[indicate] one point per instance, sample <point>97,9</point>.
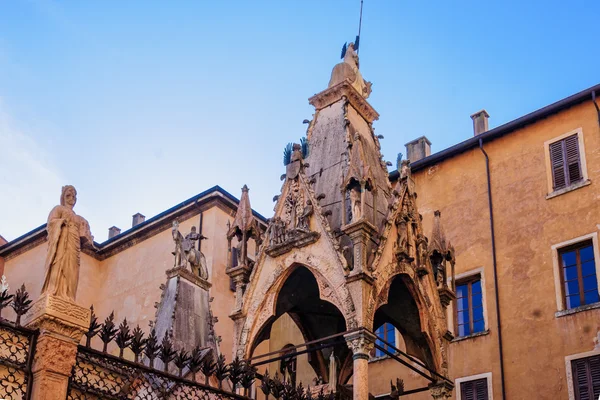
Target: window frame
<point>582,164</point>
<point>569,369</point>
<point>391,327</point>
<point>459,279</point>
<point>558,272</point>
<point>486,375</point>
<point>576,247</point>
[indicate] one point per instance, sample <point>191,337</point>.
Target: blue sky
<point>143,104</point>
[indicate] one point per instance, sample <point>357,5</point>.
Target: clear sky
<point>143,104</point>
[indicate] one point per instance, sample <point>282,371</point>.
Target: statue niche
<point>67,233</point>
<point>186,254</point>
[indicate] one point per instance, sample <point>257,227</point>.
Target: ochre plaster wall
<point>526,226</point>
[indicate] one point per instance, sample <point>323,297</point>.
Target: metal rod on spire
<point>357,44</point>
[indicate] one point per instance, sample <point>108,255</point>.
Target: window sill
<point>576,310</point>
<point>474,335</point>
<point>567,189</point>
<point>380,358</point>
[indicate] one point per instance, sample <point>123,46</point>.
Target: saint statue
<point>355,205</point>
<point>67,233</point>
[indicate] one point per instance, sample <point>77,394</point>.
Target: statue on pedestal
<point>67,233</point>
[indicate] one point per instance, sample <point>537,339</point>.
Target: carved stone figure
<point>355,204</point>
<point>404,169</point>
<point>67,232</point>
<point>193,256</point>
<point>349,70</point>
<point>178,239</point>
<point>303,221</point>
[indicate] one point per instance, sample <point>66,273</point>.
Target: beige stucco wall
<point>28,268</point>
<point>526,226</point>
<point>128,282</point>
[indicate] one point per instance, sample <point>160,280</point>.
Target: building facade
<point>353,283</point>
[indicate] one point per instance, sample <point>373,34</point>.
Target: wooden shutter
<point>557,161</point>
<point>573,160</point>
<point>474,390</point>
<point>586,378</point>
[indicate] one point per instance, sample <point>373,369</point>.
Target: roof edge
<point>502,130</point>
<point>215,191</point>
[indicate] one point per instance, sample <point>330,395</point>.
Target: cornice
<point>213,197</point>
<point>330,95</point>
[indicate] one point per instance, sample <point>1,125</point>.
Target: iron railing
<point>17,346</point>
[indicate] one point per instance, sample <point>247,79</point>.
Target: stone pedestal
<point>361,343</point>
<point>360,233</point>
<point>240,276</point>
<point>62,324</point>
<point>184,312</point>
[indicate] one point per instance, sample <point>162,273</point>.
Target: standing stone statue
<point>355,205</point>
<point>178,239</point>
<point>67,233</point>
<point>304,219</point>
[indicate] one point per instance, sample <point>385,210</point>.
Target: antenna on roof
<point>357,41</point>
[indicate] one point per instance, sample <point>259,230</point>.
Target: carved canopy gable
<point>298,234</point>
<point>403,252</point>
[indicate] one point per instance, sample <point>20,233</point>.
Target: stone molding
<point>189,276</point>
<point>298,240</point>
<point>55,315</point>
<point>344,89</point>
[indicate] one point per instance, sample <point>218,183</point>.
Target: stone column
<point>361,343</point>
<point>62,324</point>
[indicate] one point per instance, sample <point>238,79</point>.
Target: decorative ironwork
<point>17,346</point>
<point>97,375</point>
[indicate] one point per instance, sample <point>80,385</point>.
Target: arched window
<point>386,332</point>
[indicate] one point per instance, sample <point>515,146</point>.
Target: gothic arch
<point>261,313</point>
<point>401,301</point>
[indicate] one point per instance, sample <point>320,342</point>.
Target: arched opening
<point>301,316</point>
<point>401,312</point>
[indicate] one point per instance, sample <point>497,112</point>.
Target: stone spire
<point>441,252</point>
<point>344,160</point>
<point>243,228</point>
<point>244,221</point>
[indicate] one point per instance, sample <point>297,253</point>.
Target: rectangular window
<point>386,332</point>
<point>565,162</point>
<point>586,377</point>
<point>469,306</point>
<point>474,390</point>
<point>578,272</point>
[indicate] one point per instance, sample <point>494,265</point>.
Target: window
<point>565,162</point>
<point>586,377</point>
<point>476,389</point>
<point>386,332</point>
<point>469,306</point>
<point>578,272</point>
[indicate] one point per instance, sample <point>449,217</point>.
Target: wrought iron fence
<point>99,375</point>
<point>17,346</point>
